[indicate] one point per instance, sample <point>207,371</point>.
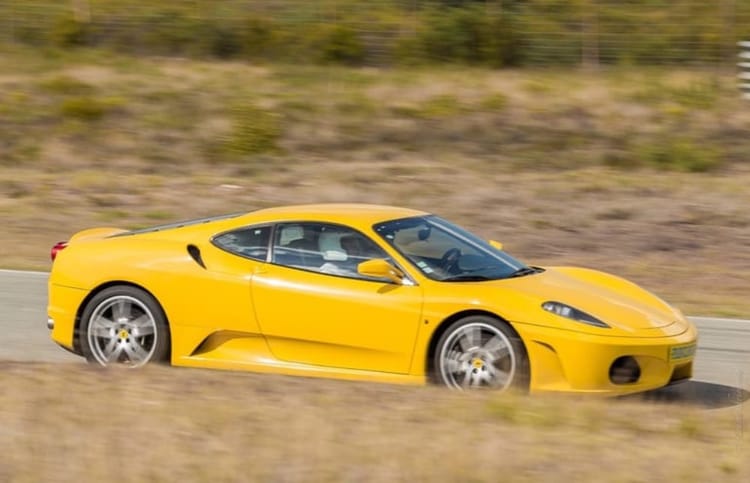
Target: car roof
<point>355,214</point>
<point>360,216</point>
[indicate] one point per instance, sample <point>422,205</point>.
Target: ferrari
<point>360,292</point>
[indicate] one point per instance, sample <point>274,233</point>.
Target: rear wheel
<point>124,326</point>
<point>480,352</point>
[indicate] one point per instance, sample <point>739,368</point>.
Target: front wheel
<point>125,326</point>
<point>481,352</point>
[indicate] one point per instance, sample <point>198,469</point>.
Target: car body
<point>360,292</point>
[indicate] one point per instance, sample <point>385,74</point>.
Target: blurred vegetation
<point>179,109</point>
<point>495,33</point>
<point>254,131</point>
<point>681,154</point>
<point>94,105</point>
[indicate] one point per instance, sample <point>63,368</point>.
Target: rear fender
<point>91,233</point>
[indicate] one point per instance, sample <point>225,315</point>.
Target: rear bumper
<point>62,309</point>
<point>566,361</point>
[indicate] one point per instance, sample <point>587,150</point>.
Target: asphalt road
<point>722,365</point>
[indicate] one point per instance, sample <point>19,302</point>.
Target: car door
<point>314,308</point>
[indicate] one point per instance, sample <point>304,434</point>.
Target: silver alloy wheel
<point>122,330</point>
<point>477,355</point>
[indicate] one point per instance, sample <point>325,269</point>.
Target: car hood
<point>615,301</point>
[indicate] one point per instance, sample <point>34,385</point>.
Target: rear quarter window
<point>250,242</point>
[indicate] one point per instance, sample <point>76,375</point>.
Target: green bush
<point>339,44</point>
<point>494,102</point>
<point>472,35</point>
<point>454,35</point>
<point>64,84</point>
<point>172,32</point>
<point>69,32</point>
<point>83,108</point>
<point>408,51</point>
<point>254,131</point>
<point>220,41</point>
<point>258,37</point>
<point>681,155</point>
<point>441,107</point>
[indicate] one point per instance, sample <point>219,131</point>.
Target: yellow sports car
<point>358,292</point>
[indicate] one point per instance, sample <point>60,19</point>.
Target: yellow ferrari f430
<point>358,292</point>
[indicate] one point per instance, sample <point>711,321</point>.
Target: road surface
<point>722,361</point>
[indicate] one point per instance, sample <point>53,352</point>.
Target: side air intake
<point>195,253</point>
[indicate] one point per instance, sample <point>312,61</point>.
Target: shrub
<point>83,108</point>
<point>339,44</point>
<point>64,84</point>
<point>171,32</point>
<point>409,51</point>
<point>441,106</point>
<point>69,32</point>
<point>682,155</point>
<point>494,102</point>
<point>473,35</point>
<point>221,41</point>
<point>258,36</point>
<point>254,131</point>
<point>454,35</point>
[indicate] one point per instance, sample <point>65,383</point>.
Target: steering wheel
<point>449,260</point>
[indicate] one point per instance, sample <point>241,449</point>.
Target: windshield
<point>446,252</point>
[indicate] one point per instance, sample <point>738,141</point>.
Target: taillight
<point>57,249</point>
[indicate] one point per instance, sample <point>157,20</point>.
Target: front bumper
<point>567,361</point>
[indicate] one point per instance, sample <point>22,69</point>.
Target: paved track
<point>723,357</point>
<point>23,319</point>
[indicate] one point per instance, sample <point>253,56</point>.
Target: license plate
<point>682,352</point>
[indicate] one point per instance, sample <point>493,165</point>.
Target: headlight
<point>563,310</point>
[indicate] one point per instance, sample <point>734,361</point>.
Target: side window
<point>324,248</point>
<point>250,242</point>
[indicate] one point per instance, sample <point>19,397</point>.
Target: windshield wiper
<point>467,277</point>
<point>522,272</point>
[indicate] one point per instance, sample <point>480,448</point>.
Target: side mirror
<point>496,244</point>
<point>380,268</point>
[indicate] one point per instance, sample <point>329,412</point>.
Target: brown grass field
<point>643,173</point>
<point>70,423</point>
<point>640,172</point>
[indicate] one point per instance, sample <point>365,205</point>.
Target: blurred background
<point>606,134</point>
<point>609,134</point>
<point>494,33</point>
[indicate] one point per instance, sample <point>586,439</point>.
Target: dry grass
<point>563,167</point>
<point>74,423</point>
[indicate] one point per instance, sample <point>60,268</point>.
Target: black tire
<point>478,352</point>
<point>124,326</point>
